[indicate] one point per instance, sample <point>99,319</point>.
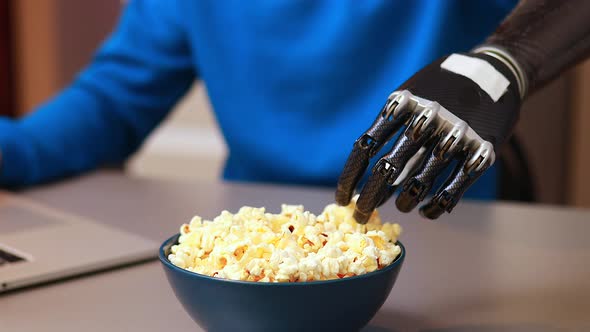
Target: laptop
<point>40,244</point>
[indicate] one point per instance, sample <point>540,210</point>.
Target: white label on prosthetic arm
<point>480,72</point>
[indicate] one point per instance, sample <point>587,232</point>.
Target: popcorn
<point>292,246</point>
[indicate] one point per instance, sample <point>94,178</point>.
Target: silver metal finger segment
<point>482,158</point>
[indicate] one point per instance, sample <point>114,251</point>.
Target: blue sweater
<point>292,83</point>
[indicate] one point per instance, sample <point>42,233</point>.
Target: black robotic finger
<point>355,166</point>
<point>465,174</point>
<point>389,167</point>
<point>415,189</point>
<point>410,169</point>
<point>373,191</point>
<point>387,194</point>
<point>394,114</point>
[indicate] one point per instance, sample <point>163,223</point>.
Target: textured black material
<point>366,146</point>
<point>376,189</point>
<point>493,121</point>
<point>452,190</point>
<point>355,166</point>
<point>371,194</point>
<point>546,37</point>
<point>417,187</point>
<point>387,195</point>
<point>385,125</point>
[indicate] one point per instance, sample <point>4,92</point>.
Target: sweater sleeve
<point>135,78</point>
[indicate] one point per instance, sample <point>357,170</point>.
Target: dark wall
<point>6,65</point>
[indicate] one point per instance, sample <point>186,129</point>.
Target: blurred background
<point>43,44</point>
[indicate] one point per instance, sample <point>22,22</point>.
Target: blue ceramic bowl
<point>216,304</point>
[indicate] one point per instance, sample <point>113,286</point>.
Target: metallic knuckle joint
<point>387,170</point>
<point>416,189</point>
<point>456,135</point>
<point>481,159</point>
<point>450,142</point>
<point>365,142</point>
<point>397,105</point>
<point>423,121</point>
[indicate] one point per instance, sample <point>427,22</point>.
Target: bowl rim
<point>398,260</point>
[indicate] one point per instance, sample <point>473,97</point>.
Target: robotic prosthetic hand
<point>461,107</point>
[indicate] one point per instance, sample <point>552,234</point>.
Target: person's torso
<point>295,83</point>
